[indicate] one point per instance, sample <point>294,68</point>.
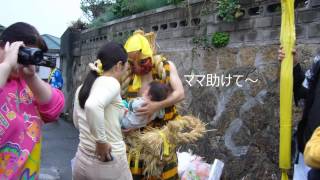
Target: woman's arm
<point>50,100</point>
<point>176,96</point>
<point>51,110</point>
<point>103,91</point>
<point>40,89</point>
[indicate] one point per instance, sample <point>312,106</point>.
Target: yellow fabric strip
<point>136,162</point>
<point>287,38</point>
<point>136,171</point>
<point>170,173</point>
<point>51,74</point>
<point>166,145</point>
<point>168,115</point>
<point>136,83</point>
<point>129,159</point>
<point>284,176</point>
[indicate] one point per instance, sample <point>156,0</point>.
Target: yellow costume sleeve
<point>287,38</point>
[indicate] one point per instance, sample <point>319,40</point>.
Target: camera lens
<point>29,56</point>
<point>37,57</point>
<point>23,56</point>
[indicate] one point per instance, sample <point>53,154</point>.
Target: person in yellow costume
<point>146,67</point>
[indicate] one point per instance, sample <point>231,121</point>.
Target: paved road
<point>59,144</point>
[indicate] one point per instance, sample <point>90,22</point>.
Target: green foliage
<point>78,24</point>
<point>201,41</point>
<point>220,39</point>
<point>105,17</point>
<point>175,2</point>
<point>101,11</point>
<point>122,8</point>
<point>227,9</point>
<point>94,8</point>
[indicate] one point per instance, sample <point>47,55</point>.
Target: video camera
<point>35,56</point>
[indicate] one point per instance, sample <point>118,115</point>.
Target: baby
<point>156,91</point>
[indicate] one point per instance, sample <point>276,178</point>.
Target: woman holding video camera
<point>26,102</point>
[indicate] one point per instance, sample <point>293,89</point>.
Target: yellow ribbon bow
<point>97,67</point>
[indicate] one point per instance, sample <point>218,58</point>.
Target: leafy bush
<point>175,2</point>
<point>220,39</point>
<point>227,9</point>
<point>101,11</point>
<point>105,17</point>
<point>94,8</point>
<point>122,8</point>
<point>78,24</point>
<point>201,41</point>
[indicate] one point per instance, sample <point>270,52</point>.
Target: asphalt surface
<point>59,144</point>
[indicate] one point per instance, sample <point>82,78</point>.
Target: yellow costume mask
<point>137,42</point>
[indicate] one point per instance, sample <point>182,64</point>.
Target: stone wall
<point>242,118</point>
